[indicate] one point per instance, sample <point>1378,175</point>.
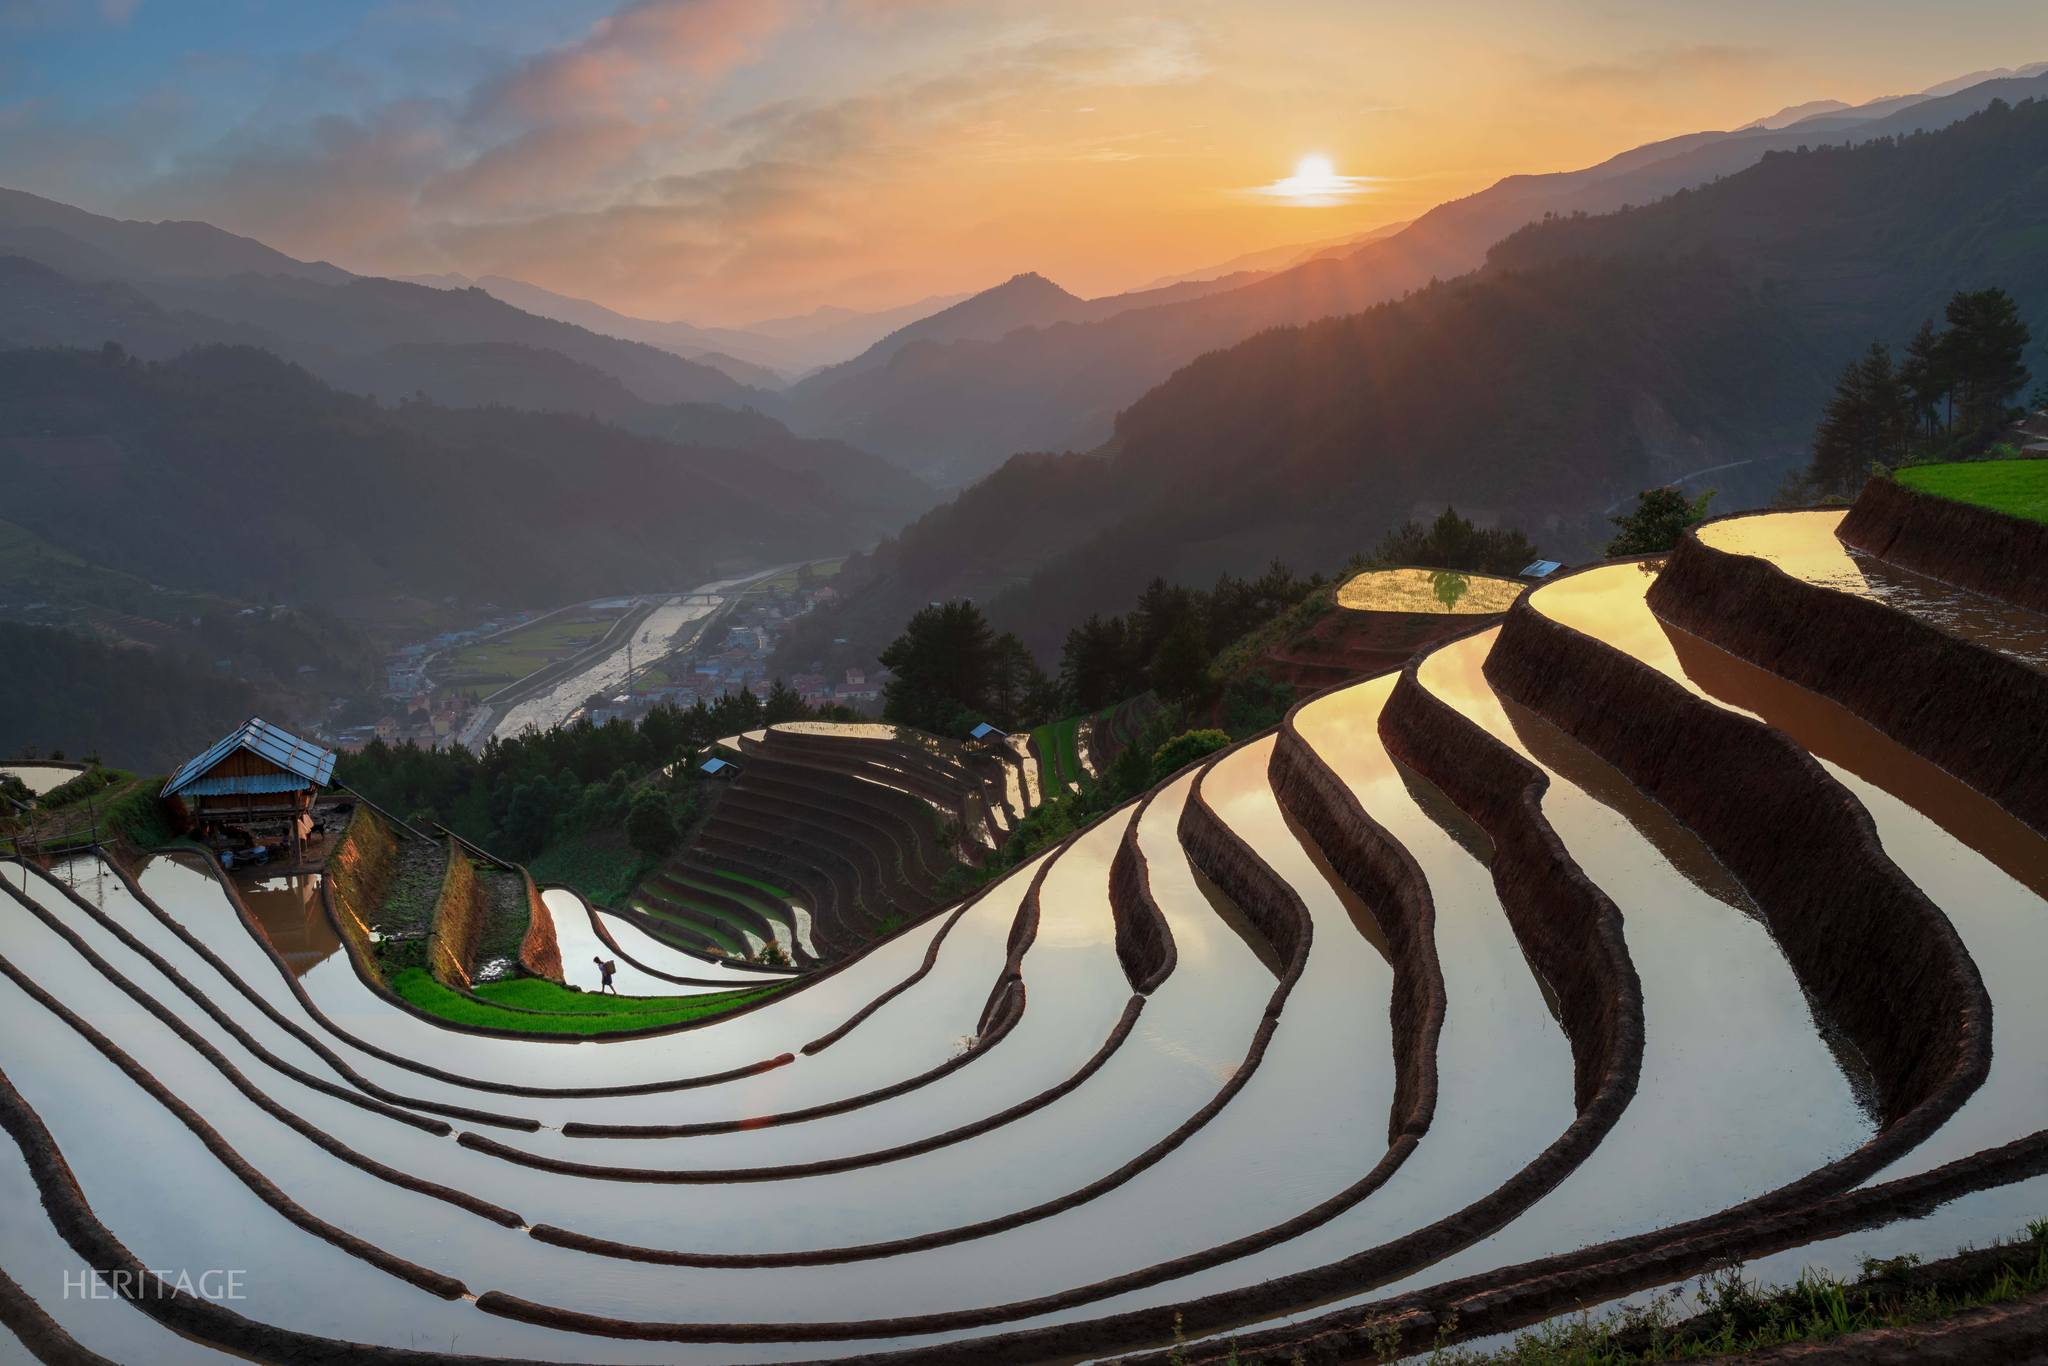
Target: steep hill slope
<point>229,469</point>
<point>228,288</point>
<point>1593,357</point>
<point>955,410</point>
<point>481,374</point>
<point>31,225</point>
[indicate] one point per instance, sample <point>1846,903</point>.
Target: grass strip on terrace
<point>784,897</point>
<point>1735,1315</point>
<point>1059,754</point>
<point>714,927</point>
<point>2018,488</point>
<point>562,1010</point>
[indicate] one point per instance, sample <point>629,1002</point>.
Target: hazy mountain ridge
<point>220,469</point>
<point>1594,356</point>
<point>234,288</point>
<point>955,410</point>
<point>167,248</point>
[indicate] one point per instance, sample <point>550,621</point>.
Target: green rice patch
<point>2018,488</point>
<point>564,1011</point>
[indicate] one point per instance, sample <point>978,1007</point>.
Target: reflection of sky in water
<point>1439,591</point>
<point>40,778</point>
<point>1803,544</point>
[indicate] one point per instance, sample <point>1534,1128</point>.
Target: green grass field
<point>1059,754</point>
<point>782,898</point>
<point>2018,488</point>
<point>513,656</point>
<point>564,1011</point>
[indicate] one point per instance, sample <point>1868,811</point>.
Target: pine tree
<point>942,667</point>
<point>1179,668</point>
<point>1095,664</point>
<point>1869,420</point>
<point>1018,688</point>
<point>1985,349</point>
<point>1924,373</point>
<point>1889,419</point>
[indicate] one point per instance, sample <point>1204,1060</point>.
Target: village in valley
<point>453,687</point>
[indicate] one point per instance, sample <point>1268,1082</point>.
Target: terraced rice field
<point>832,834</point>
<point>40,778</point>
<point>1433,591</point>
<point>1586,953</point>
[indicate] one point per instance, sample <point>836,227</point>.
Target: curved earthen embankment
<point>65,1205</point>
<point>456,932</point>
<point>1387,879</point>
<point>1951,701</point>
<point>1144,943</point>
<point>236,1078</point>
<point>540,954</point>
<point>2015,1332</point>
<point>1877,956</point>
<point>45,1338</point>
<point>605,937</point>
<point>1569,929</point>
<point>1973,547</point>
<point>366,1094</point>
<point>1514,1297</point>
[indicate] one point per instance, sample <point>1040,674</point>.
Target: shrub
<point>1184,749</point>
<point>651,824</point>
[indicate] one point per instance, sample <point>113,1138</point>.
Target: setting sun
<point>1315,182</point>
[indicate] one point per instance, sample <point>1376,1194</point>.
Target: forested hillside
<point>229,469</point>
<point>207,285</point>
<point>954,410</point>
<point>136,708</point>
<point>1593,356</point>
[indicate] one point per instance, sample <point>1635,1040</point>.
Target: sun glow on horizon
<point>1315,184</point>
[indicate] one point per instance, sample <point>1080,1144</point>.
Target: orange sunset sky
<point>730,160</point>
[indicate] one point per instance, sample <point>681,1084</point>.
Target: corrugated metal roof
<point>311,763</point>
<point>1540,569</point>
<point>715,766</point>
<point>247,785</point>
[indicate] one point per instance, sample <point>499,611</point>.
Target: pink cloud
<point>651,39</point>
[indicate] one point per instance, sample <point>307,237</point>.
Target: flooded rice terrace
<point>1433,591</point>
<point>1273,1043</point>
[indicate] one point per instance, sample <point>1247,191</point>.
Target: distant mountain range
<point>943,390</point>
<point>208,285</point>
<point>1592,356</point>
<point>954,407</point>
<point>227,469</point>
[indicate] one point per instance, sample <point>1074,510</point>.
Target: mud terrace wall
<point>1806,850</point>
<point>1568,928</point>
<point>1144,944</point>
<point>458,925</point>
<point>1386,877</point>
<point>358,874</point>
<point>1975,547</point>
<point>539,952</point>
<point>1951,701</point>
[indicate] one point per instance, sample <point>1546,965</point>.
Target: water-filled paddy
<point>1427,590</point>
<point>1228,1119</point>
<point>40,778</point>
<point>1803,544</point>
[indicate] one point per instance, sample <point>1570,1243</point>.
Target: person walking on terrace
<point>605,969</point>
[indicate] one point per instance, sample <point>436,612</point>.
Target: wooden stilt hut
<point>255,773</point>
